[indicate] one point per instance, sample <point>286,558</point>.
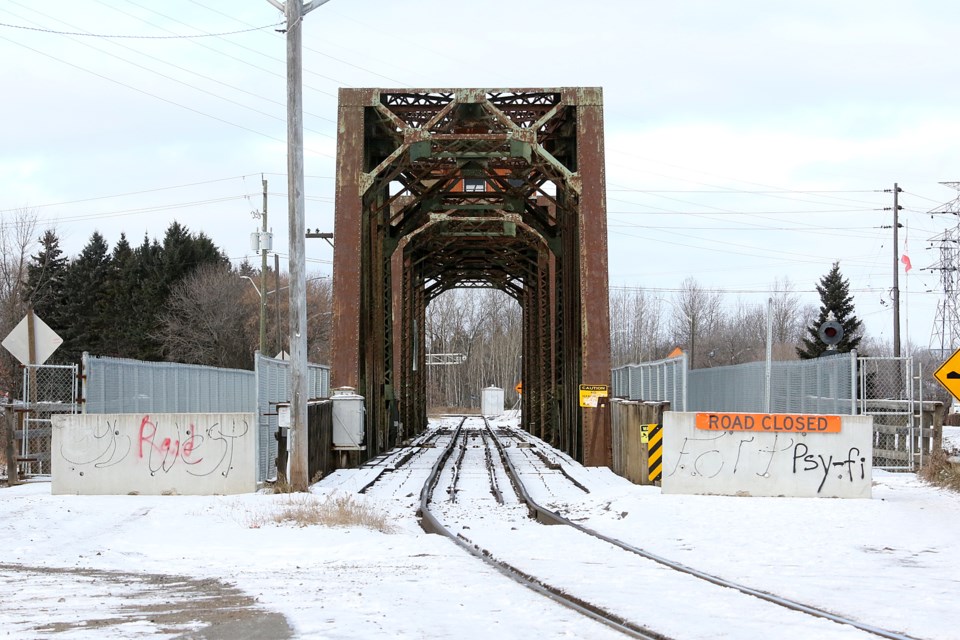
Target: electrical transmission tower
<point>945,336</point>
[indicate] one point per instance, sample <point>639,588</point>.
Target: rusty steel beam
<point>345,356</point>
<point>593,271</point>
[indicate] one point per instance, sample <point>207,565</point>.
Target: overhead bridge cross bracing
<point>448,188</point>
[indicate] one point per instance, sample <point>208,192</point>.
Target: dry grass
<point>939,471</point>
<point>335,510</point>
<point>282,486</point>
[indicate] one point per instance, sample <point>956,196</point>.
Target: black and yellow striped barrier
<point>652,435</point>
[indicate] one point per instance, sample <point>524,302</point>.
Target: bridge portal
<point>445,188</point>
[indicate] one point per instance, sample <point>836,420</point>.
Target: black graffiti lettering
<point>826,470</point>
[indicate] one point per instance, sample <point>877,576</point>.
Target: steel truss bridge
<point>445,188</point>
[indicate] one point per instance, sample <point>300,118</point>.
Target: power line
<point>259,53</point>
<point>742,192</point>
<point>729,290</point>
<point>130,193</point>
<point>741,213</point>
<point>138,37</point>
<point>186,84</point>
<point>349,64</point>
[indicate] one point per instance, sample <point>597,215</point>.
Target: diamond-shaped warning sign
<point>949,374</point>
<point>45,341</point>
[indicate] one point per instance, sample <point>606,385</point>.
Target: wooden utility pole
<point>294,12</point>
<point>276,300</point>
<point>896,271</point>
<point>9,436</point>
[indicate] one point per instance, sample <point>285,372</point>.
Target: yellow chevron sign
<point>652,434</point>
<point>949,374</point>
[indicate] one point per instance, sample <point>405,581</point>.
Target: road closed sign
<point>768,422</point>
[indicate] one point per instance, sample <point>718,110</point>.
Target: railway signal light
<point>831,332</point>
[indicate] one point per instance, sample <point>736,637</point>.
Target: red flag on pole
<point>906,263</point>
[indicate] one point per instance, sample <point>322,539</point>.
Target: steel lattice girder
<point>447,188</point>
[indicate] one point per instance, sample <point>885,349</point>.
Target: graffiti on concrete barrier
<point>105,447</point>
<point>739,454</point>
<point>160,445</point>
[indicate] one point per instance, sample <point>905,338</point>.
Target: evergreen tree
<point>122,288</point>
<point>148,301</point>
<point>82,321</point>
<point>834,297</point>
<point>183,252</point>
<point>45,280</point>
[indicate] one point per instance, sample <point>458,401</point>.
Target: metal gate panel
<point>47,390</point>
<point>886,393</point>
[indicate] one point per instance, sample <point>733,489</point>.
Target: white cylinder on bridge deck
<point>347,419</point>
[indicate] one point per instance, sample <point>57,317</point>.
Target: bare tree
<point>17,238</point>
<point>207,320</point>
<point>636,331</point>
<point>698,312</point>
<point>737,338</point>
<point>484,327</point>
<point>319,318</point>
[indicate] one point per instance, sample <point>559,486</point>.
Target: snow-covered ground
<point>68,561</point>
<point>951,439</point>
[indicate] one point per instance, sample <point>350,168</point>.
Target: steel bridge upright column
<point>594,301</point>
<point>345,370</point>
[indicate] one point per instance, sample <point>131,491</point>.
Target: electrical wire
<point>182,82</point>
<point>139,37</point>
<point>246,48</point>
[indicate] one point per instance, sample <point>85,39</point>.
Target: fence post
<point>853,382</point>
<point>9,448</point>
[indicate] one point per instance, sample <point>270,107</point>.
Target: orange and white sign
<point>768,422</point>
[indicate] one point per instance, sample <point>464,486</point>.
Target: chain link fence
<point>661,380</point>
<point>887,393</point>
<point>822,385</point>
<point>886,388</point>
<point>47,390</point>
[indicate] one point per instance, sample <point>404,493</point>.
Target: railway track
<point>474,489</point>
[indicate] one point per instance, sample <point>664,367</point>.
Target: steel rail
<point>415,449</point>
<point>546,516</point>
<point>494,485</point>
<point>431,524</point>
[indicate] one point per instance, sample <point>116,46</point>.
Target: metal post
<point>263,275</point>
<point>768,372</point>
<point>686,379</point>
<point>276,300</point>
<point>853,382</point>
<point>922,439</point>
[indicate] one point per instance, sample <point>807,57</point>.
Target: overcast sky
<point>746,141</point>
